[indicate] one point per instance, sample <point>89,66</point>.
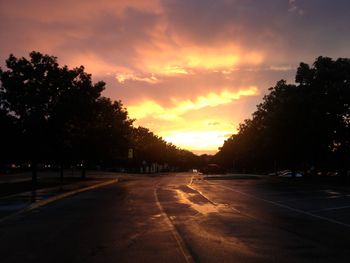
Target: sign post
<point>130,157</point>
<point>130,153</point>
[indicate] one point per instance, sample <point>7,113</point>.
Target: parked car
<point>288,173</point>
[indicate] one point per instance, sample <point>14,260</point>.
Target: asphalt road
<point>180,218</point>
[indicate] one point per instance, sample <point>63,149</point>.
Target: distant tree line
<point>302,127</point>
<point>53,114</point>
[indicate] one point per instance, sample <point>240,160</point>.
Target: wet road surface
<point>182,218</point>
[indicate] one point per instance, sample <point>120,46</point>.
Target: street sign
<point>130,153</point>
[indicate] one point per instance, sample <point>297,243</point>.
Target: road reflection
<point>202,207</point>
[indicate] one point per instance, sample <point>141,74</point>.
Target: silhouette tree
<point>9,139</point>
<point>110,132</point>
<point>327,85</point>
<point>28,89</point>
<point>73,116</point>
<point>59,113</point>
<point>297,126</point>
<point>153,149</point>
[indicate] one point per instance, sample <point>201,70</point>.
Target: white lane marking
<point>297,192</point>
<point>331,208</point>
<point>181,243</point>
<point>210,201</point>
<point>285,206</point>
<point>314,198</point>
<point>201,208</point>
<point>229,206</point>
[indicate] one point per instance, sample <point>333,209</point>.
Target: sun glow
<point>185,123</point>
<point>198,140</point>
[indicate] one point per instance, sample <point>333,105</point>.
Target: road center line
<point>285,206</point>
<point>181,243</point>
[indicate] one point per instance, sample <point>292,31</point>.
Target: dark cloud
<point>209,21</point>
<point>319,26</point>
<point>115,30</point>
<point>68,28</point>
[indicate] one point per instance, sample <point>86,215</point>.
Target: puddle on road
<point>203,208</point>
<point>212,231</point>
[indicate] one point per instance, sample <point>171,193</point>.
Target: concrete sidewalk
<point>15,204</point>
<point>68,173</point>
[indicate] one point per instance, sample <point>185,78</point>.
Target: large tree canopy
<point>150,148</point>
<point>298,126</point>
<point>59,113</point>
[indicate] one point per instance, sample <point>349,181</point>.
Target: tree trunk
<point>34,167</point>
<point>275,167</point>
<point>61,173</point>
<point>83,170</point>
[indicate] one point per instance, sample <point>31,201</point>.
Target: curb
<point>56,198</point>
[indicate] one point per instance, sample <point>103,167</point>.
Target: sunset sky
<point>190,71</point>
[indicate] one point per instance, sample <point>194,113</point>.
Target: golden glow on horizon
<point>178,125</point>
<point>197,140</point>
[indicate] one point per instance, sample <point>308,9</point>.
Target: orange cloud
<point>152,108</point>
<point>167,58</point>
<point>121,77</point>
<point>94,63</point>
<point>78,9</point>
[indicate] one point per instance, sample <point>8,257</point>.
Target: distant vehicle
<point>288,173</point>
<point>213,169</point>
<point>332,173</point>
